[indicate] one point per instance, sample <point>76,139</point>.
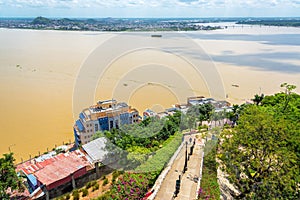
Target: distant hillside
<point>41,21</point>
<point>110,24</point>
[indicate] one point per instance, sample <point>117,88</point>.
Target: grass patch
<point>162,156</point>
<point>209,183</point>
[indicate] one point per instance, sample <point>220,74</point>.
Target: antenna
<point>259,90</point>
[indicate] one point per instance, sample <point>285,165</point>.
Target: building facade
<point>105,115</point>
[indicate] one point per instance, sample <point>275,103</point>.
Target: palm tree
<point>258,98</point>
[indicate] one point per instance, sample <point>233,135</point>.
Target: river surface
<point>47,77</point>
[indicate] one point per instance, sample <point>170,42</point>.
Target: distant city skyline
<point>149,8</point>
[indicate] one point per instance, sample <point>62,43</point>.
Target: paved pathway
<point>188,185</point>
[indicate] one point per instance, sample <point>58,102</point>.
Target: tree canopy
<point>262,153</point>
<point>133,144</point>
<point>8,176</point>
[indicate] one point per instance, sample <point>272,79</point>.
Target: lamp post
<point>177,186</point>
<point>185,162</point>
<point>11,146</point>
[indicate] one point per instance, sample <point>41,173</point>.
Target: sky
<point>150,8</point>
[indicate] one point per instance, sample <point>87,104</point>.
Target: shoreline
<point>37,96</point>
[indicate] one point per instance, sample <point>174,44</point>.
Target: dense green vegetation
<point>8,176</point>
<point>135,185</point>
<point>209,182</point>
<point>134,144</point>
<point>153,140</point>
<point>41,20</point>
<point>262,153</point>
<point>199,113</point>
<point>144,148</point>
<point>157,161</point>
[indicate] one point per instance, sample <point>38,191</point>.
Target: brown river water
<point>39,72</point>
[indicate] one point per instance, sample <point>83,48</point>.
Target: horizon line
<point>171,17</point>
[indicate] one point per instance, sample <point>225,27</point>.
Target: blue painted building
<point>103,123</point>
<point>105,115</point>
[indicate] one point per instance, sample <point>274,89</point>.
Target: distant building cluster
<point>191,101</point>
<point>105,115</point>
<point>218,105</point>
<point>108,24</point>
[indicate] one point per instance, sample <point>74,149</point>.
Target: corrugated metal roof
<point>55,168</point>
<point>62,167</point>
<point>32,179</point>
<point>96,149</point>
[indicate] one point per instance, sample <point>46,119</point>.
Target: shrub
<point>67,196</point>
<point>76,196</point>
<point>75,192</point>
<point>155,143</point>
<point>105,196</point>
<point>95,187</point>
<point>85,192</point>
<point>94,183</point>
<point>105,182</point>
<point>88,185</point>
<point>115,175</point>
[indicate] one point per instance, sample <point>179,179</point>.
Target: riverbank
<point>38,70</point>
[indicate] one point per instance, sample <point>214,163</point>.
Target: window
<point>96,127</point>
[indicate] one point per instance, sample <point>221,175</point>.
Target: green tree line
<point>261,154</point>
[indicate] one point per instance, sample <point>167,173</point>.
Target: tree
<point>192,115</point>
<point>257,156</point>
<point>206,110</point>
<point>288,92</point>
<point>8,176</point>
<point>233,116</point>
<point>199,112</point>
<point>258,98</point>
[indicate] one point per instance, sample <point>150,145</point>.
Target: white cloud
<point>181,7</point>
<point>150,3</point>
